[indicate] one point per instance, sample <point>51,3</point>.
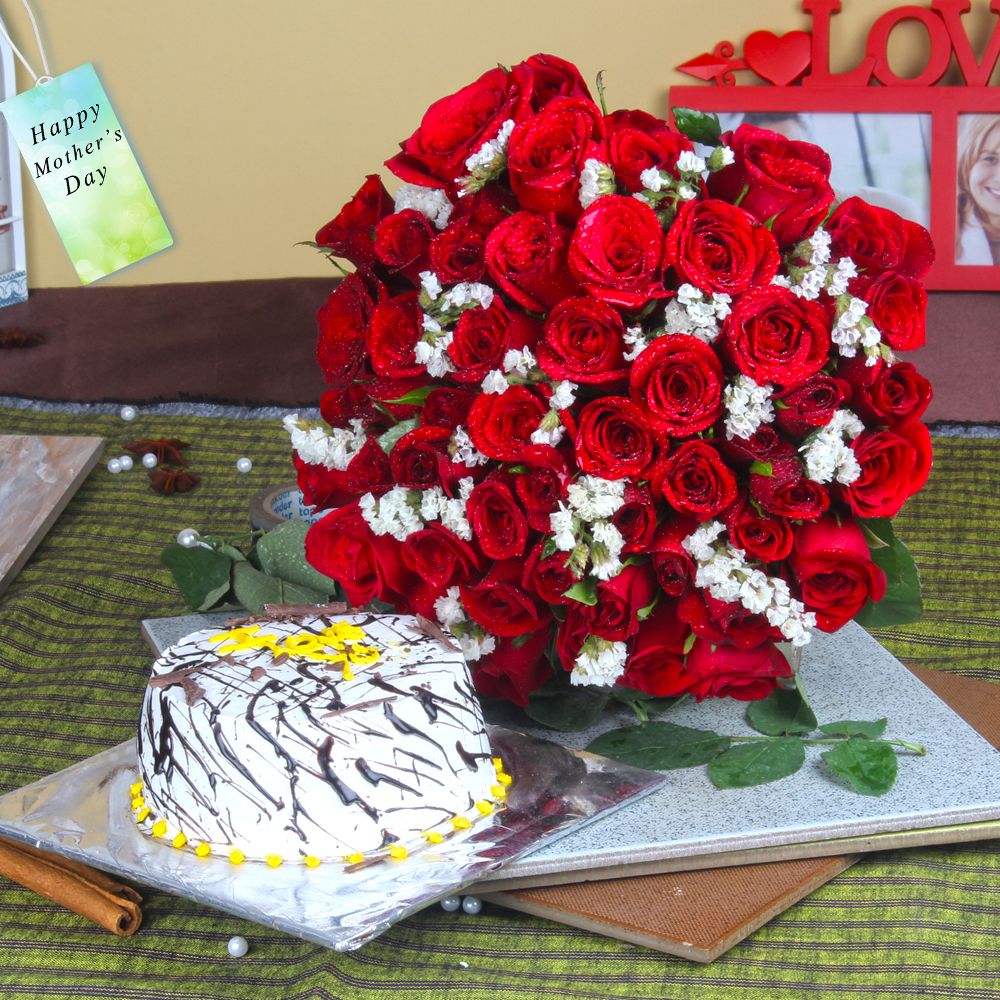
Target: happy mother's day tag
<point>86,173</point>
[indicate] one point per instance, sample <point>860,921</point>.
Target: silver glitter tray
<point>83,813</point>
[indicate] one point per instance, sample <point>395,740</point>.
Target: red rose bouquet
<point>616,414</point>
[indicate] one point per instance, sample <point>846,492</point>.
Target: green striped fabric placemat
<point>920,923</point>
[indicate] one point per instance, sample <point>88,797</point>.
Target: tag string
<point>41,48</point>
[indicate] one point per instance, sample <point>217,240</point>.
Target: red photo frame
<point>804,57</point>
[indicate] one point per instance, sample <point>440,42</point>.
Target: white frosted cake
<point>331,737</point>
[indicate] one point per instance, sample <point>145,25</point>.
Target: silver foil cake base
<point>83,813</point>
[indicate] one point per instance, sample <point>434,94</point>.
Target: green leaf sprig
<point>858,756</point>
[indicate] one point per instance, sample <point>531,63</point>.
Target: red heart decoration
<point>779,60</point>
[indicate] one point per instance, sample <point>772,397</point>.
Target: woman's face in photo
<point>984,177</point>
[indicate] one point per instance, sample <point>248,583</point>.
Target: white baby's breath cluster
<point>431,203</point>
<point>332,448</point>
<point>828,455</point>
<point>659,185</point>
<point>636,340</point>
<point>599,662</point>
<point>442,310</point>
<point>463,451</point>
<point>475,641</point>
<point>596,180</point>
<point>748,406</point>
<point>551,428</point>
<point>520,362</point>
<point>495,383</point>
<point>694,312</point>
<point>853,328</point>
<point>723,571</point>
<point>486,163</point>
<point>582,526</point>
<point>400,512</point>
<point>819,273</point>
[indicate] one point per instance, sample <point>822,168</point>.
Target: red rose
<point>550,577</point>
<point>677,381</point>
<point>774,336</point>
<point>542,78</point>
<point>526,258</point>
<point>879,241</point>
<point>718,247</point>
<point>672,563</point>
<point>695,480</point>
<point>636,518</point>
<point>616,252</point>
<point>497,520</point>
<point>396,326</point>
<point>619,601</point>
<point>439,557</point>
<point>764,445</point>
<point>501,426</point>
<point>612,440</point>
<point>835,571</point>
<point>783,180</point>
<point>485,209</point>
<point>445,407</point>
<point>419,459</point>
<point>349,402</point>
<point>787,493</point>
<point>582,341</point>
<point>453,128</point>
<point>458,253</point>
<point>768,539</point>
<point>810,405</point>
<point>656,663</point>
<point>894,465</point>
<point>541,487</point>
<point>638,141</point>
<point>897,305</point>
<point>724,621</point>
<point>342,546</point>
<point>501,605</point>
<point>343,321</point>
<point>402,242</point>
<point>572,634</point>
<point>385,390</point>
<point>483,336</point>
<point>546,153</point>
<point>513,671</point>
<point>728,672</point>
<point>349,235</point>
<point>368,471</point>
<point>886,394</point>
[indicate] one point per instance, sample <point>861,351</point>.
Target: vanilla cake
<point>330,737</point>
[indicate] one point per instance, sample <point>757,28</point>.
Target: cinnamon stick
<point>76,886</point>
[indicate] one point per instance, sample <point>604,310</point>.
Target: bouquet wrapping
<point>614,412</point>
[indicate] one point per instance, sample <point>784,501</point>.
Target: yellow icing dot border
<point>158,827</point>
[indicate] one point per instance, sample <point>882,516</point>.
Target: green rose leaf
<point>388,440</point>
<point>762,469</point>
<point>282,553</point>
<point>757,763</point>
<point>415,398</point>
<point>567,708</point>
<point>869,730</point>
<point>698,126</point>
<point>254,589</point>
<point>585,591</point>
<point>783,712</point>
<point>901,604</point>
<point>661,746</point>
<point>867,766</point>
<point>201,575</point>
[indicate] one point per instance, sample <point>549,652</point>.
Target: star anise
<point>16,337</point>
<point>166,450</point>
<point>167,481</point>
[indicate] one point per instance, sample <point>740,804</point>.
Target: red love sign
<point>778,59</point>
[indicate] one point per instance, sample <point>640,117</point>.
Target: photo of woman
<point>978,230</point>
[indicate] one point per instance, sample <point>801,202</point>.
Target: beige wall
<point>256,121</point>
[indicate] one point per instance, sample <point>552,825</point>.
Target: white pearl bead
<point>114,466</point>
<point>126,463</point>
<point>450,904</point>
<point>237,946</point>
<point>472,905</point>
<point>149,460</point>
<point>187,537</point>
<point>244,465</point>
<point>127,413</point>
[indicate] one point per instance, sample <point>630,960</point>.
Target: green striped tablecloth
<point>919,923</point>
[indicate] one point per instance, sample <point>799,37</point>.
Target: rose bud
<point>716,671</point>
<point>638,141</point>
<point>349,235</point>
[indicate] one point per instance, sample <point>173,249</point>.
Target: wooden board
<point>38,476</point>
<point>700,915</point>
